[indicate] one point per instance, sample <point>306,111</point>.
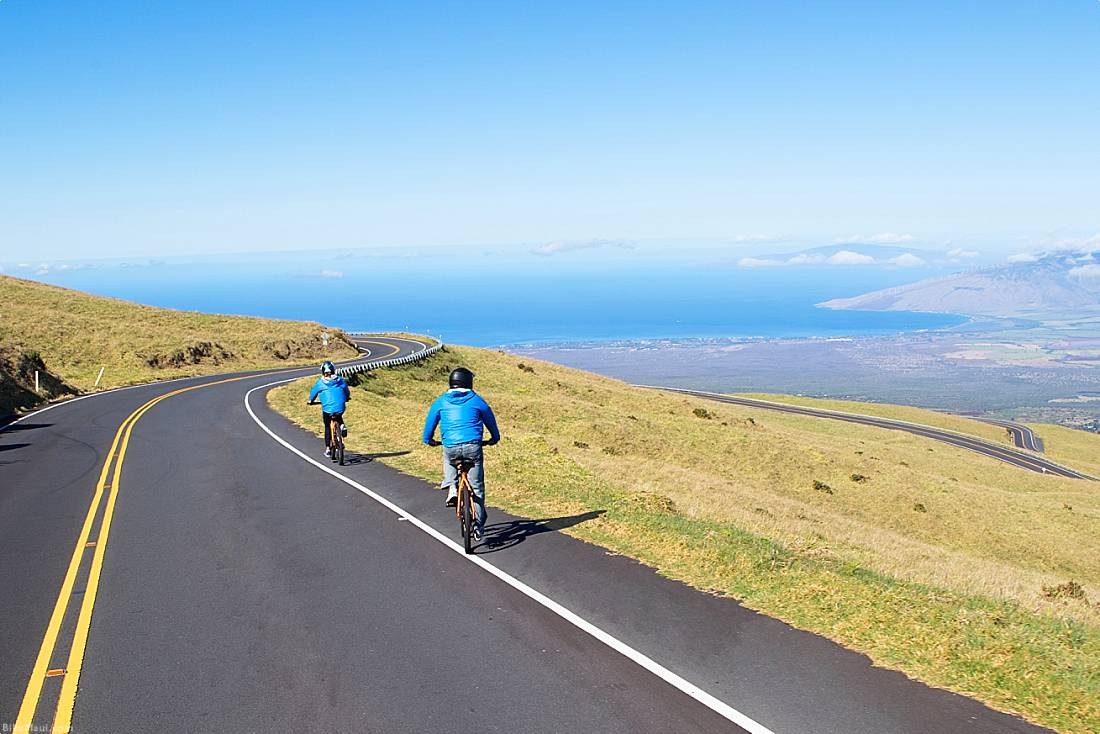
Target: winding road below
<point>982,446</point>
<point>177,557</point>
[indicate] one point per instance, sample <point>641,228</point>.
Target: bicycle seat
<point>463,465</point>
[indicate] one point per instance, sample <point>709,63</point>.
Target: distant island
<point>1052,285</point>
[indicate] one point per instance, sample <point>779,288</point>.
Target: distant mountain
<point>1067,281</point>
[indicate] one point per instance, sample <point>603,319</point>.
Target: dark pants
<point>327,418</point>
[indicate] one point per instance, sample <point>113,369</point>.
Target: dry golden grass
<point>929,558</point>
<point>76,334</point>
<point>925,417</point>
<point>1078,449</point>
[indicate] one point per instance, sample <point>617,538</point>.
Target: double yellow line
<point>62,719</point>
<point>394,347</point>
<point>70,674</point>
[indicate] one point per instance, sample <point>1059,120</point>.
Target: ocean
<point>487,300</point>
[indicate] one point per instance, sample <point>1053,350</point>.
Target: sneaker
<point>452,497</point>
<point>328,451</point>
<point>343,430</point>
<point>477,534</point>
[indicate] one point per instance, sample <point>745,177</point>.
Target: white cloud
<point>907,260</point>
<point>1051,242</point>
<point>757,262</point>
<point>331,274</point>
<point>1082,272</point>
<point>882,238</point>
<point>847,257</point>
<point>958,252</point>
<point>1023,257</point>
<point>554,248</point>
<point>806,259</point>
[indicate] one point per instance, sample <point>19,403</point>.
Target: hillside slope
<point>950,566</point>
<point>1056,283</point>
<point>68,336</point>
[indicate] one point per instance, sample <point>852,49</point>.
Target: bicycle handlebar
<point>433,443</point>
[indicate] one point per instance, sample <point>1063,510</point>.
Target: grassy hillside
<point>952,567</point>
<point>1078,449</point>
<point>946,421</point>
<point>18,389</point>
<point>75,334</point>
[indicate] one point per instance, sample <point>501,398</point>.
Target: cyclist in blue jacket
<point>462,415</point>
<point>335,394</point>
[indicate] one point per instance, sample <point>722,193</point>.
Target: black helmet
<point>461,377</point>
<point>328,368</point>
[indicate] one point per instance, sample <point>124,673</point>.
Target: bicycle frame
<point>337,439</point>
<point>464,508</point>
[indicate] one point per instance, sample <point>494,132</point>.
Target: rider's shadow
<point>353,459</point>
<point>504,535</point>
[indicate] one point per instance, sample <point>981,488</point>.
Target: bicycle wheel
<point>467,518</point>
<point>341,449</point>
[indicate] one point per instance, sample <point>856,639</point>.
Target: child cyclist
<point>334,393</point>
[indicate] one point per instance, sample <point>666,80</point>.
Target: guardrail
<point>392,362</point>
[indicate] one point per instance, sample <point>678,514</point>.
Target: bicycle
<point>336,441</point>
<point>464,507</point>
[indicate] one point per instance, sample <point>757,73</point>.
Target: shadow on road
<point>13,427</point>
<point>386,456</point>
<point>12,446</point>
<point>353,459</point>
<point>504,535</point>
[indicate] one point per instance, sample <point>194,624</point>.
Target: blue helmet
<point>328,368</point>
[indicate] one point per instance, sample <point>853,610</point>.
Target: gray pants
<point>470,452</point>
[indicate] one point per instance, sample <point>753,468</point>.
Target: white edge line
<point>719,707</point>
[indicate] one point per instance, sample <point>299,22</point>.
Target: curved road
<point>1022,436</point>
<point>972,443</point>
<point>175,558</point>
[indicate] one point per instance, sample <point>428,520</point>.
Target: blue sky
<point>153,129</point>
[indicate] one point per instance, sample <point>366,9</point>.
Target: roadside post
<point>36,381</point>
<point>99,376</point>
<point>324,340</point>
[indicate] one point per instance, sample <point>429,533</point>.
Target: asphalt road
<point>993,450</point>
<point>228,579</point>
<point>1022,436</point>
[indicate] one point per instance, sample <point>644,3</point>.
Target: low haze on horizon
<point>133,130</point>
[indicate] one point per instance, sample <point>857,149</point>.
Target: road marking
<point>63,715</point>
<point>718,706</point>
<point>116,455</point>
<point>396,349</point>
<point>961,440</point>
<point>77,399</point>
<point>24,718</point>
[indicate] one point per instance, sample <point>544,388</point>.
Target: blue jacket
<point>334,394</point>
<point>460,415</point>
